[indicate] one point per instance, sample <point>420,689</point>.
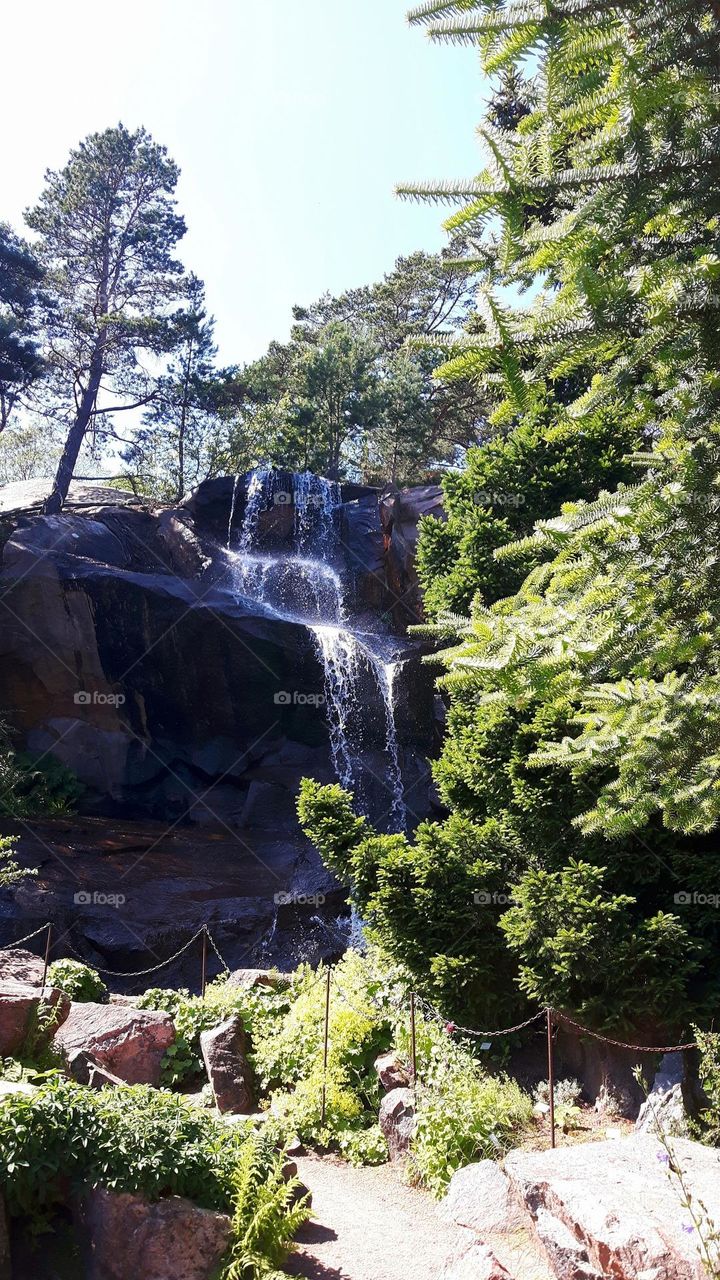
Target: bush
<point>463,1114</point>
<point>708,1043</point>
<point>289,1060</point>
<point>31,790</point>
<point>81,983</point>
<point>258,1007</point>
<point>137,1139</point>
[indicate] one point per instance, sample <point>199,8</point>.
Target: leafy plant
<point>267,1213</point>
<point>463,1113</point>
<point>81,983</point>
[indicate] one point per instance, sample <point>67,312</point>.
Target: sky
<point>291,120</point>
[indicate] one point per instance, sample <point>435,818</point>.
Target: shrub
<point>81,983</point>
<point>463,1113</point>
<point>148,1141</point>
<point>191,1015</point>
<point>708,1043</point>
<point>289,1060</point>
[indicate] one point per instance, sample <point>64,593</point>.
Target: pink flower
<point>450,1028</point>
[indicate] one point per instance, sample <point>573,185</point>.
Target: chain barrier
<point>621,1044</point>
<point>213,944</point>
<point>10,946</point>
<point>142,973</point>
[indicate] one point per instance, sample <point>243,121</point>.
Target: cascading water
<point>305,586</point>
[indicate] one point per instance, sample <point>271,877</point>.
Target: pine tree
<point>20,361</point>
<point>107,228</point>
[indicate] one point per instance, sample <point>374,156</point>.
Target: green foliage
<point>259,1008</point>
<point>132,1138</point>
<point>20,362</point>
<point>508,484</point>
<point>10,871</point>
<point>352,393</point>
<point>106,230</point>
<point>33,789</point>
<point>463,1114</point>
<point>81,983</point>
<point>583,949</point>
<point>289,1060</point>
<point>708,1043</point>
<point>430,904</point>
<point>267,1213</point>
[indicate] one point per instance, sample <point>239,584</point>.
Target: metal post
<point>551,1075</point>
<point>325,1044</point>
<point>203,982</point>
<point>48,945</point>
<point>413,1039</point>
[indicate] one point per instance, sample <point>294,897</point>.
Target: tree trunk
<point>66,467</point>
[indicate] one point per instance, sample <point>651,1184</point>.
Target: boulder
<point>617,1208</point>
<point>392,1071</point>
<point>397,1121</point>
<point>86,1069</point>
<point>125,1237</point>
<point>229,1073</point>
<point>29,1016</point>
<point>477,1262</point>
<point>129,1043</point>
<point>248,979</point>
<point>664,1109</point>
<point>21,966</point>
<point>481,1198</point>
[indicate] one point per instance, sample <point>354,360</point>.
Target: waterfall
<point>233,504</point>
<point>303,585</point>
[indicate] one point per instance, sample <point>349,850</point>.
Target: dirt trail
<point>367,1225</point>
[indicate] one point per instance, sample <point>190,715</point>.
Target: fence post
<point>551,1075</point>
<point>325,1044</point>
<point>48,944</point>
<point>413,1039</point>
<point>203,981</point>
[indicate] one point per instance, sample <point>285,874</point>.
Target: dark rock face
<point>400,513</point>
<point>128,653</point>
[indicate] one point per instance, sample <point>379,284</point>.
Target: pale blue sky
<point>291,120</point>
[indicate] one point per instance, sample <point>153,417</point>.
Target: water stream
<point>306,585</point>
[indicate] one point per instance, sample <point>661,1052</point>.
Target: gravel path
<point>367,1225</point>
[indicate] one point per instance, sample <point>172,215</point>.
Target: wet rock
<point>223,1050</point>
<point>616,1208</point>
<point>29,1017</point>
<point>397,1121</point>
<point>126,1236</point>
<point>481,1198</point>
<point>392,1071</point>
<point>129,1043</point>
<point>400,513</point>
